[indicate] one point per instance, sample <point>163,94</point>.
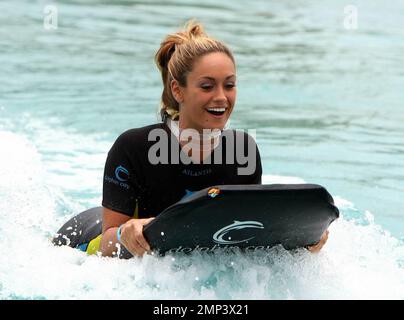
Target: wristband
<point>118,234</point>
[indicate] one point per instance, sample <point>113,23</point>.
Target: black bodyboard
<point>248,217</point>
<point>245,216</point>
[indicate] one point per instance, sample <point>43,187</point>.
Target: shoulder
<point>137,137</point>
<point>137,134</point>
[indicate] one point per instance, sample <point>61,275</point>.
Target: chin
<point>215,125</point>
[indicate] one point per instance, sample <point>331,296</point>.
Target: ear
<point>176,91</point>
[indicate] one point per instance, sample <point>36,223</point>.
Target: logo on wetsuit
<point>121,175</point>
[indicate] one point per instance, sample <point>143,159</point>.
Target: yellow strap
<point>136,213</point>
<point>94,245</point>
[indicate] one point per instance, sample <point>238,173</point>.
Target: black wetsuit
<point>131,180</point>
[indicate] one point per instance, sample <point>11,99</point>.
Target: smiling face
<point>210,93</point>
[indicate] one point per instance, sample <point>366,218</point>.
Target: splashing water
<point>359,261</point>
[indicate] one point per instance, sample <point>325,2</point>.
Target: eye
<point>206,86</point>
<point>230,85</point>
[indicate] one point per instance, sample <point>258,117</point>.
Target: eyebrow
<point>210,78</point>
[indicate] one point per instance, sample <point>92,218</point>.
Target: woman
<point>199,78</point>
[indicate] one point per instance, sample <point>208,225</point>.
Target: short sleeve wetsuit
<point>136,187</point>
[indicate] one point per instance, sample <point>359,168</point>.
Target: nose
<point>220,95</point>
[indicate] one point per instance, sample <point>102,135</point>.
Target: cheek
<point>204,96</point>
<point>201,99</point>
<point>232,97</point>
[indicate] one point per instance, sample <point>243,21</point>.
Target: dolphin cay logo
<point>122,174</point>
<point>237,225</point>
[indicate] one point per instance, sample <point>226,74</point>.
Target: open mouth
<point>216,111</point>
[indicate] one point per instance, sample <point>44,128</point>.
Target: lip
<point>217,116</point>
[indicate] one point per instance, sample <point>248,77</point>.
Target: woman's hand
<point>317,247</point>
<point>132,236</point>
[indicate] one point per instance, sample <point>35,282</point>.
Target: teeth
<point>217,109</point>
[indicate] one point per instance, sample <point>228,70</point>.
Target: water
<point>326,102</point>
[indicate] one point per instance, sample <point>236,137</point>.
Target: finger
<point>131,244</point>
<point>143,243</point>
<point>141,240</point>
<point>136,245</point>
<point>136,250</point>
<point>141,250</point>
<point>313,248</point>
<point>319,245</point>
<point>324,238</point>
<point>148,220</point>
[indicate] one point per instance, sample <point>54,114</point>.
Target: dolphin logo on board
<point>237,225</point>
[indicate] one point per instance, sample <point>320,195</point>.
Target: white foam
<point>21,174</point>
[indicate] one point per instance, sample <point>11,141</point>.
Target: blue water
<point>326,101</point>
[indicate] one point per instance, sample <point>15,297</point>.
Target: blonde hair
<point>176,57</point>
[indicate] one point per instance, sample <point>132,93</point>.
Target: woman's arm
<point>131,233</point>
<point>111,221</point>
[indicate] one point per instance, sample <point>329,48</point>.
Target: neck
<point>196,144</point>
